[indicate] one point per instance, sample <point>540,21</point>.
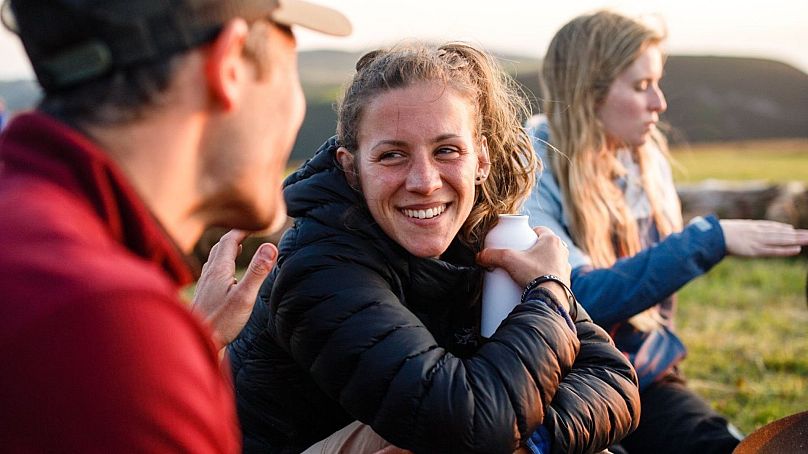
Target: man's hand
<point>223,302</point>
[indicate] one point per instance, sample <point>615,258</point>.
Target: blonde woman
<point>607,191</point>
<point>373,311</point>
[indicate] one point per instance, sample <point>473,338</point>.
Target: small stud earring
<point>479,178</point>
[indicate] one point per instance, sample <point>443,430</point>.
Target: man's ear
<point>225,66</point>
<point>483,161</point>
<point>346,161</point>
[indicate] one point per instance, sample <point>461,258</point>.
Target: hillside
<point>710,98</point>
<point>721,98</point>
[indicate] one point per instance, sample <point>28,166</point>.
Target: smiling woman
<point>418,164</point>
<point>373,311</point>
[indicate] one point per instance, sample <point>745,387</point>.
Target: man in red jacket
<point>159,119</point>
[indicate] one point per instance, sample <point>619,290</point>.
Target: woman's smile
<point>429,213</point>
<point>418,158</point>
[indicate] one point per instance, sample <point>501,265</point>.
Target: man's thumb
<point>261,264</point>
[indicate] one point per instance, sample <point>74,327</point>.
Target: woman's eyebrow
<point>443,137</point>
<point>393,142</point>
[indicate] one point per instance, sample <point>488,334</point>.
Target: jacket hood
<point>319,183</point>
<point>319,191</point>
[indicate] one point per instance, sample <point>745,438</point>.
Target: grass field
<point>746,322</point>
<point>771,160</point>
<point>746,327</point>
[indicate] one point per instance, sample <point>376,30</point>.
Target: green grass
<point>746,322</point>
<point>746,327</point>
<point>771,160</point>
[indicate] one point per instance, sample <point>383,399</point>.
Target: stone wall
<point>786,202</point>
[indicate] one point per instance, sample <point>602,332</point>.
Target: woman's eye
<point>642,86</point>
<point>447,152</point>
<point>390,155</point>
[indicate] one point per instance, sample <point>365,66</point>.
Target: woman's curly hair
<point>500,112</point>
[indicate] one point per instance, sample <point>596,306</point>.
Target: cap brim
<point>315,17</point>
<point>7,17</point>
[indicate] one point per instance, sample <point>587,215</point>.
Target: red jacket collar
<point>39,144</point>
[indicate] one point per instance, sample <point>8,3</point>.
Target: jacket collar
<point>40,145</point>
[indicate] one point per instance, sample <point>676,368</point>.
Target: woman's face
<point>634,102</point>
<point>417,163</point>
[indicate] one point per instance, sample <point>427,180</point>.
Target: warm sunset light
<point>392,226</point>
<point>720,27</point>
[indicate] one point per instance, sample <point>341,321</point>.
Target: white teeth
<point>425,214</point>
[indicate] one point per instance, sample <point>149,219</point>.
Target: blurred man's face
<point>248,161</point>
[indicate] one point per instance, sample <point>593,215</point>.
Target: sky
<point>776,29</point>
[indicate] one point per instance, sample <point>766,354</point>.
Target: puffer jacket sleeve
<point>340,319</point>
<point>598,402</point>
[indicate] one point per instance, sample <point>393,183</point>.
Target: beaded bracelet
<point>573,302</point>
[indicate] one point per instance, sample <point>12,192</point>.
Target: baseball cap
<point>73,41</point>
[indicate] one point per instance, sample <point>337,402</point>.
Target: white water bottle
<point>500,293</point>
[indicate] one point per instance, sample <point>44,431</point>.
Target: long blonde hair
<point>582,61</point>
<point>500,112</point>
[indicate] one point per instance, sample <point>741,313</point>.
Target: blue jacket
<point>633,284</point>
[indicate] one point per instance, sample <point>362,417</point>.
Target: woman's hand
<point>548,256</point>
<point>223,302</point>
<point>749,238</point>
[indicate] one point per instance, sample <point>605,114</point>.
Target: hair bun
<point>366,59</point>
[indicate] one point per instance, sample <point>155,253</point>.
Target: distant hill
<point>722,98</point>
<point>709,98</point>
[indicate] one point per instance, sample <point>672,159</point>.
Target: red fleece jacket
<point>98,352</point>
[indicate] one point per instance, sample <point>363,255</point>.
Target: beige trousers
<point>354,438</point>
<point>358,438</point>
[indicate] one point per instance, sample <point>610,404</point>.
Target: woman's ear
<point>346,161</point>
<point>483,162</point>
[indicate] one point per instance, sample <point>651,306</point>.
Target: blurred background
<point>737,70</point>
<point>737,88</point>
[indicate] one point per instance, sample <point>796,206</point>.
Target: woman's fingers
<point>778,251</point>
<point>753,238</point>
<point>548,256</point>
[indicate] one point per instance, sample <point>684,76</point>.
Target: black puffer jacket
<point>350,326</point>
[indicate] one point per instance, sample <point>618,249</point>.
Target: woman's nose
<point>658,103</point>
<point>424,176</point>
